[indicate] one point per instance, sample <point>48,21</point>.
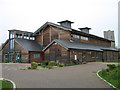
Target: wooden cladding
<point>56,53</point>
<point>51,33</point>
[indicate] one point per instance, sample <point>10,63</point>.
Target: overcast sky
<point>29,15</point>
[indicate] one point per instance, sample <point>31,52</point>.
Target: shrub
<point>61,65</point>
<point>69,64</point>
<point>111,66</point>
<point>84,62</point>
<point>28,68</point>
<point>107,70</point>
<point>76,62</point>
<point>43,66</point>
<point>104,73</point>
<point>39,64</point>
<point>113,75</point>
<point>34,65</point>
<point>45,62</point>
<point>50,67</point>
<point>51,63</point>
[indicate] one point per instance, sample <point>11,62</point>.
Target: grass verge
<point>111,76</point>
<point>116,61</point>
<point>5,84</point>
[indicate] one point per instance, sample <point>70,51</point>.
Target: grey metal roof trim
<point>87,49</point>
<point>29,45</point>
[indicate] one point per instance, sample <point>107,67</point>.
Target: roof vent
<point>66,23</point>
<point>85,29</point>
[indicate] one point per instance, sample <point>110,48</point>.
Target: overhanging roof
<point>80,45</point>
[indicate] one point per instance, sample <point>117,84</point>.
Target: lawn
<point>5,84</point>
<point>116,61</point>
<point>111,75</point>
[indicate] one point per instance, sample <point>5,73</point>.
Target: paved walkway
<point>79,76</point>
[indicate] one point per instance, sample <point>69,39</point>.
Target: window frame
<point>36,55</point>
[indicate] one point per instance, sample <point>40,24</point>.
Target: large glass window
<point>36,55</point>
<point>12,45</point>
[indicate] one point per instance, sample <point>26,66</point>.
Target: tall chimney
<point>85,29</point>
<point>66,23</point>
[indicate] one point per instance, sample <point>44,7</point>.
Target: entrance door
<point>18,57</point>
<point>83,57</point>
<point>11,57</point>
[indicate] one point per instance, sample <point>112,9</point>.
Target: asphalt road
<point>78,76</point>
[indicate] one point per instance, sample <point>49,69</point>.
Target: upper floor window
<point>32,38</point>
<point>19,36</point>
<point>11,35</point>
<point>75,36</point>
<point>84,38</point>
<point>25,37</point>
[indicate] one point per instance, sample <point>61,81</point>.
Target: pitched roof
<point>69,29</point>
<point>4,44</point>
<point>80,45</point>
<point>29,45</point>
<point>52,24</point>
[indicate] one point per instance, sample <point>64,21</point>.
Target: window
<point>11,35</point>
<point>12,45</point>
<point>93,54</point>
<point>75,36</point>
<point>96,54</point>
<point>25,37</point>
<point>36,55</point>
<point>5,57</point>
<point>19,36</point>
<point>84,38</point>
<point>32,38</point>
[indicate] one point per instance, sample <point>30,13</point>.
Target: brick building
<point>58,43</point>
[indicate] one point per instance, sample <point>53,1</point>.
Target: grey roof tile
<point>29,45</point>
<point>80,45</point>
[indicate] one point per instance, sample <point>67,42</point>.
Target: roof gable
<point>51,24</point>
